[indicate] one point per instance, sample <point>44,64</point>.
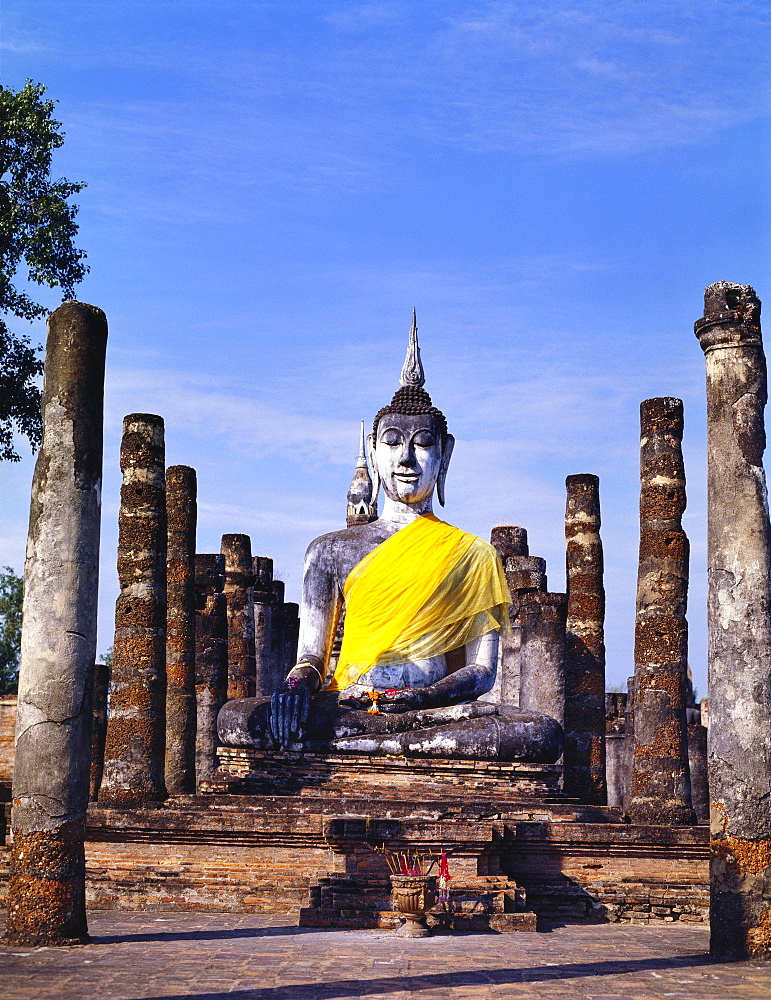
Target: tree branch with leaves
<point>37,231</point>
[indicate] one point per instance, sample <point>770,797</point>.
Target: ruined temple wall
<point>7,733</point>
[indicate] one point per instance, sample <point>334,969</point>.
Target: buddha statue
<point>425,603</point>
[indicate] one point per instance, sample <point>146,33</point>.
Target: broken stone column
<point>99,727</point>
<point>136,726</point>
<point>542,619</point>
<point>267,670</point>
<point>697,764</point>
<point>277,628</point>
<point>661,781</point>
<point>739,624</point>
<point>211,660</point>
<point>239,588</point>
<point>584,643</point>
<point>525,574</point>
<point>182,516</point>
<point>618,765</point>
<point>291,635</point>
<point>46,895</point>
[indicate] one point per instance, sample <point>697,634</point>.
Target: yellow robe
<point>425,590</point>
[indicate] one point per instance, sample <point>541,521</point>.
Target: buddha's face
<point>408,455</point>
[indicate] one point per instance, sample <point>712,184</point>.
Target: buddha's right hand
<point>289,709</point>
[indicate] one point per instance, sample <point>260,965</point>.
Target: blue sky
<point>273,186</point>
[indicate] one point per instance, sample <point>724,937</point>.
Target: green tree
<point>37,229</point>
<point>11,596</point>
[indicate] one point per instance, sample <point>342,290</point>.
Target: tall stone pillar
<point>697,763</point>
<point>211,660</point>
<point>277,627</point>
<point>739,624</point>
<point>136,725</point>
<point>542,619</point>
<point>291,636</point>
<point>46,896</point>
<point>182,517</point>
<point>99,726</point>
<point>239,589</point>
<point>267,669</point>
<point>584,643</point>
<point>525,574</point>
<point>661,780</point>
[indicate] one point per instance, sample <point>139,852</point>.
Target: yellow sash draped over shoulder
<point>425,590</point>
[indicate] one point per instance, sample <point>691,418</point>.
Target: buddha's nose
<point>407,456</point>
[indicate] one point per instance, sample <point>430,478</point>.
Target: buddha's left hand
<point>403,700</point>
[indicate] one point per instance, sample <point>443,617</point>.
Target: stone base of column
<point>740,915</point>
<point>48,910</point>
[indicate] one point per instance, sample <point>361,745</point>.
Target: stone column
<point>542,619</point>
<point>661,781</point>
<point>291,635</point>
<point>266,667</point>
<point>136,725</point>
<point>739,624</point>
<point>99,727</point>
<point>525,574</point>
<point>697,763</point>
<point>584,643</point>
<point>239,584</point>
<point>181,511</point>
<point>211,660</point>
<point>277,627</point>
<point>46,896</point>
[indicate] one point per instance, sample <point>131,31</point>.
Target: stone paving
<point>156,955</point>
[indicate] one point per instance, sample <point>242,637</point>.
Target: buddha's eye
<point>391,438</point>
<point>424,439</point>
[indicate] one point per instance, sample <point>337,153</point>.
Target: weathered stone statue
<point>424,606</point>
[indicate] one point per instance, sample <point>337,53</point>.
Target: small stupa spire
<point>361,507</point>
<point>412,369</point>
<point>361,462</point>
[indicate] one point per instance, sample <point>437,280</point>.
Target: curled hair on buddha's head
<point>411,399</point>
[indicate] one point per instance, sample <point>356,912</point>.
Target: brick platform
<point>517,853</point>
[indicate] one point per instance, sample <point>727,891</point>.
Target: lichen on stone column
<point>239,591</point>
<point>661,782</point>
<point>46,895</point>
<point>211,660</point>
<point>181,510</point>
<point>136,726</point>
<point>584,643</point>
<point>739,624</point>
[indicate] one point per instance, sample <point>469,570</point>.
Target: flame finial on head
<point>412,369</point>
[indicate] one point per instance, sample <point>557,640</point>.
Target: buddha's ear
<point>449,444</point>
<point>373,468</point>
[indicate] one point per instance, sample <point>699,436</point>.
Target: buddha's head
<point>410,447</point>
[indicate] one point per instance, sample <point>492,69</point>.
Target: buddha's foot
<point>509,735</point>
